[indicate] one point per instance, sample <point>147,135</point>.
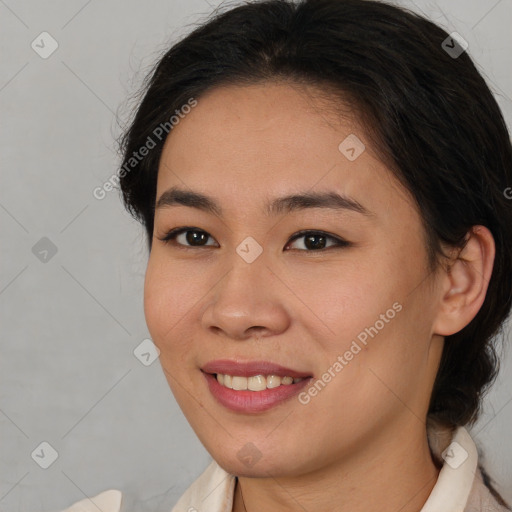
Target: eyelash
<point>171,235</point>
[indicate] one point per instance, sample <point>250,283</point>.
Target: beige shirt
<point>459,487</point>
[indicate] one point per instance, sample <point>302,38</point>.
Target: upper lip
<point>251,368</point>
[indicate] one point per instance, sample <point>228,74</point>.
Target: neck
<point>393,473</point>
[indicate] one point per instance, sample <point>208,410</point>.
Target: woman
<point>330,255</point>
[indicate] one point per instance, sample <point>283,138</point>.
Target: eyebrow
<point>330,200</point>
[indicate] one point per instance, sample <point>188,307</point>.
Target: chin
<point>259,470</point>
<point>240,464</point>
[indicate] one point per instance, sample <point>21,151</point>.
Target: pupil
<point>313,245</point>
<point>191,238</point>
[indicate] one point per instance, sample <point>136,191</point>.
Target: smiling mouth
<point>252,387</point>
<point>256,382</point>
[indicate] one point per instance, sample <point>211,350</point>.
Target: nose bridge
<point>247,257</point>
<point>242,299</point>
<point>248,270</point>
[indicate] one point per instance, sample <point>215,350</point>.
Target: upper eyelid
<point>304,232</point>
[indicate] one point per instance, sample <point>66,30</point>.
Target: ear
<point>464,283</point>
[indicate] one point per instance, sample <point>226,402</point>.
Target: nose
<point>248,301</point>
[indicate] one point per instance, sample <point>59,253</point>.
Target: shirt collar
<point>456,477</point>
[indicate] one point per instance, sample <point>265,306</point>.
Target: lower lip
<point>253,401</point>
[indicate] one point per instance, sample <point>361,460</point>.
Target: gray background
<point>70,325</point>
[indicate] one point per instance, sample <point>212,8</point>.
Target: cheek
<point>168,298</point>
<point>364,311</point>
<point>338,300</point>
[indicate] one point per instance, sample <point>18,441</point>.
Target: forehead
<point>270,139</point>
<point>279,112</point>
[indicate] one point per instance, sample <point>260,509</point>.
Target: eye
<point>192,236</point>
<point>314,241</point>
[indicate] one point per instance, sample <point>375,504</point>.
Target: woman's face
<point>357,318</point>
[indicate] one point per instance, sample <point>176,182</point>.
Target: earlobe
<point>465,282</point>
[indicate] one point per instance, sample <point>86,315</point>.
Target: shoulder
<point>106,501</point>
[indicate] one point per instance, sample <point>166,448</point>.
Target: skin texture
<point>361,443</point>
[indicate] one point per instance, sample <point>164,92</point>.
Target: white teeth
<point>239,383</point>
<point>255,383</point>
<point>228,381</point>
<point>273,381</point>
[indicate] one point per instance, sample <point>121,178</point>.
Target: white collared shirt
<point>459,487</point>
